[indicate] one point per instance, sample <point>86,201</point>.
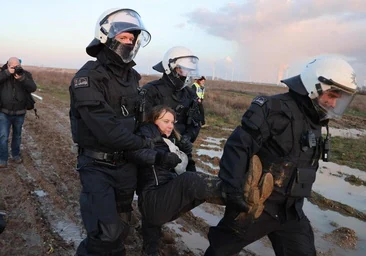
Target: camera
<point>19,70</point>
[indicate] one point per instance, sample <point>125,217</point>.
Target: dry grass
<point>225,101</point>
<point>359,104</point>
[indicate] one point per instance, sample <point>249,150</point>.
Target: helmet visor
<point>188,62</point>
<point>332,103</point>
<point>126,20</point>
<point>190,75</point>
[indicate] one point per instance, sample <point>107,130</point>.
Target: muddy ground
<point>40,196</point>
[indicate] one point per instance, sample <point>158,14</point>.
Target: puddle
<point>346,133</point>
<point>212,166</point>
<point>210,146</point>
<point>213,140</point>
<point>337,189</point>
<point>40,193</point>
<point>193,240</point>
<point>60,223</point>
<point>336,168</point>
<point>321,221</point>
<point>210,153</point>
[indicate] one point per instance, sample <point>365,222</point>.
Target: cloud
<point>273,33</point>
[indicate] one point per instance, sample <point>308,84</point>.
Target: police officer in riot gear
<point>285,132</point>
<point>104,100</point>
<point>179,67</point>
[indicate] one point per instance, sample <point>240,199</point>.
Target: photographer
<point>15,84</point>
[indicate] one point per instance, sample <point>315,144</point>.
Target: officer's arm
<point>192,131</point>
<point>100,118</point>
<point>150,97</point>
<point>245,141</point>
<point>144,156</point>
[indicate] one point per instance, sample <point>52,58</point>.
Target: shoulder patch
<point>80,82</point>
<point>260,100</point>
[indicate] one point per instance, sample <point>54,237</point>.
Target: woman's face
<point>165,122</point>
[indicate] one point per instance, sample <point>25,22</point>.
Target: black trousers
<point>106,192</point>
<point>202,112</point>
<point>289,238</point>
<point>2,223</point>
<point>167,202</point>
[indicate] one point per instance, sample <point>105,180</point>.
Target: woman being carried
<point>165,190</point>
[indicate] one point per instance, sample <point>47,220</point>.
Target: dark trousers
<point>6,122</point>
<point>2,223</point>
<point>289,238</point>
<point>167,202</point>
<point>202,112</point>
<point>106,192</point>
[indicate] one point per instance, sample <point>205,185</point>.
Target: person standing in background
<point>15,84</point>
<point>199,88</point>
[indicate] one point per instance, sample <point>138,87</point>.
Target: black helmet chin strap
<point>177,80</point>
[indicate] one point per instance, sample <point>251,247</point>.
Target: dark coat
<point>104,97</point>
<point>13,92</point>
<point>274,128</point>
<point>183,102</point>
<point>151,175</point>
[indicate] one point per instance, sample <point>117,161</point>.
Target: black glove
<point>185,144</point>
<point>237,202</point>
<point>167,160</point>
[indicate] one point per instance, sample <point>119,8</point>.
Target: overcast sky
<point>239,40</point>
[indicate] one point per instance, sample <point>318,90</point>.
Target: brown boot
<point>257,188</point>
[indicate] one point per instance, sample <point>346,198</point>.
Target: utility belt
<point>109,159</point>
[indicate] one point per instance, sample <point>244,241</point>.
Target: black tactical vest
<point>179,101</point>
<point>121,96</point>
<point>294,161</point>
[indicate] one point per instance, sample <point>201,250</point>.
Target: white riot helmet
<point>331,84</point>
<point>181,66</point>
<point>113,22</point>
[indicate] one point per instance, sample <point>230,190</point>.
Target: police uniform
<point>104,98</point>
<point>163,92</point>
<point>285,132</point>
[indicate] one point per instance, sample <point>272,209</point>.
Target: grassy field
<point>225,103</point>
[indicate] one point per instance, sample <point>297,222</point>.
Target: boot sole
<point>253,176</point>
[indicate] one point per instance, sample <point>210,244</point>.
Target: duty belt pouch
<point>302,183</point>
